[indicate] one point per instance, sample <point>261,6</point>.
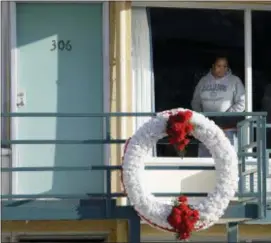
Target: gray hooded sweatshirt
<point>225,94</point>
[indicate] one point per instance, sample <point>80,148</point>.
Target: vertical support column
<point>106,74</point>
<point>248,69</point>
<point>120,92</point>
<point>5,94</point>
<point>134,229</point>
<point>120,79</point>
<point>122,231</point>
<point>260,167</point>
<point>264,161</point>
<point>241,159</point>
<point>124,69</point>
<point>5,66</point>
<point>123,73</point>
<point>248,59</point>
<point>114,156</point>
<point>232,232</point>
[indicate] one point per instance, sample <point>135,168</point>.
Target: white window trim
<point>202,4</point>
<point>14,78</point>
<point>189,161</point>
<point>247,8</point>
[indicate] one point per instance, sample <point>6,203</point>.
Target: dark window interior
<point>185,43</point>
<point>261,39</point>
<point>261,53</point>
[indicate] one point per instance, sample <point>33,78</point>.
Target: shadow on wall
<point>203,181</point>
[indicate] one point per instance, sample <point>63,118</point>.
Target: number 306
<point>61,45</point>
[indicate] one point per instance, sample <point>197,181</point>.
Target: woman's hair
<point>220,58</point>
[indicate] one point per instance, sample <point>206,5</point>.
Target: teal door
<point>59,69</point>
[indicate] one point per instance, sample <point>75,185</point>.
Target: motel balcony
<point>89,190</point>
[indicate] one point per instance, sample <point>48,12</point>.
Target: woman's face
<point>220,67</point>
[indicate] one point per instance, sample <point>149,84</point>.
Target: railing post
<point>251,132</point>
<point>232,232</point>
<point>264,163</point>
<point>259,165</point>
<point>108,192</point>
<point>107,127</point>
<point>241,159</point>
<point>134,229</point>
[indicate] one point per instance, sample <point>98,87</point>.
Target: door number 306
<point>61,45</point>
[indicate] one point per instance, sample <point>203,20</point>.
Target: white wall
<point>187,180</point>
<point>174,181</point>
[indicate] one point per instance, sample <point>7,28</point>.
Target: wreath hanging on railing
<point>180,217</point>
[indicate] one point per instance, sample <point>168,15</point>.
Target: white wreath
<point>156,212</point>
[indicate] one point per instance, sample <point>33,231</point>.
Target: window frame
<point>247,8</point>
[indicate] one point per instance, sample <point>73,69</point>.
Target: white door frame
<point>247,8</point>
<point>14,78</point>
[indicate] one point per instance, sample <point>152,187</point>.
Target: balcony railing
<point>251,143</point>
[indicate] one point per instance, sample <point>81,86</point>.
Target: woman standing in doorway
<point>219,91</point>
